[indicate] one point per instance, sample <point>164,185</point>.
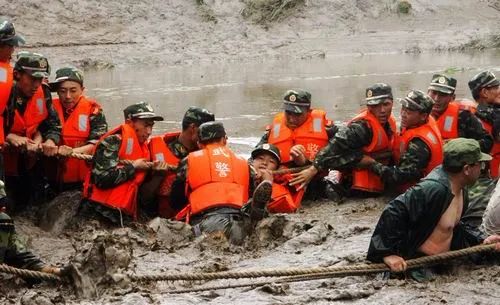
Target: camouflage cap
<point>461,151</point>
<point>267,148</point>
<point>197,116</point>
<point>8,34</point>
<point>418,101</point>
<point>211,131</point>
<point>378,93</point>
<point>64,74</point>
<point>141,110</point>
<point>485,79</point>
<point>443,83</point>
<point>34,64</point>
<point>297,101</point>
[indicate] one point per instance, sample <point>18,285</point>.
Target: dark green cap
<point>8,34</point>
<point>485,79</point>
<point>197,116</point>
<point>461,151</point>
<point>267,148</point>
<point>417,100</point>
<point>211,131</point>
<point>34,64</point>
<point>141,110</point>
<point>443,83</point>
<point>378,93</point>
<point>67,73</point>
<point>297,101</point>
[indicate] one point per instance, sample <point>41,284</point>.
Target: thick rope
<point>340,270</point>
<point>29,273</point>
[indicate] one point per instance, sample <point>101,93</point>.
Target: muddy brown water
<point>245,97</point>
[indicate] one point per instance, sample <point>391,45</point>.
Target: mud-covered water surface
<point>245,97</point>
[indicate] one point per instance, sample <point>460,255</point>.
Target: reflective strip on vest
<point>448,123</point>
<point>317,124</point>
<point>276,130</point>
<point>82,122</point>
<point>39,105</point>
<point>160,157</point>
<point>130,146</point>
<point>432,138</point>
<point>3,75</point>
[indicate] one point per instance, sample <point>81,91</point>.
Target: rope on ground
<point>335,270</point>
<point>29,273</point>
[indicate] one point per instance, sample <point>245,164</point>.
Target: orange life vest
<point>161,152</point>
<point>448,121</point>
<point>124,196</point>
<point>429,133</point>
<point>75,133</point>
<point>284,198</point>
<point>6,81</point>
<point>312,134</point>
<point>26,125</point>
<point>364,179</point>
<point>495,152</point>
<point>216,178</point>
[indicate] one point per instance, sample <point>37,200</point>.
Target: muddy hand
<point>141,164</point>
<point>266,174</point>
<point>49,148</point>
<point>395,263</point>
<point>298,154</point>
<point>64,151</point>
<point>18,141</point>
<point>493,239</point>
<point>304,177</point>
<point>160,166</point>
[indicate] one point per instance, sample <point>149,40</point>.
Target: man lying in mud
<point>426,219</point>
<point>214,186</point>
<point>12,250</point>
<point>284,198</point>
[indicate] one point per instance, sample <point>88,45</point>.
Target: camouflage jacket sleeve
<point>18,256</point>
<point>178,196</point>
<point>106,171</point>
<point>491,115</point>
<point>98,125</point>
<point>344,151</point>
<point>51,126</point>
<point>470,127</point>
<point>410,166</point>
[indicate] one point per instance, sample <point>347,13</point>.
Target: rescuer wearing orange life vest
<point>370,133</point>
<point>171,148</point>
<point>300,132</point>
<point>454,119</point>
<point>485,89</point>
<point>111,187</point>
<point>284,198</point>
<point>418,149</point>
<point>83,124</point>
<point>214,187</point>
<point>30,124</point>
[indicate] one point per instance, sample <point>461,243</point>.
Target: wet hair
<point>205,142</point>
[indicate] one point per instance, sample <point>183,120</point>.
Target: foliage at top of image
<point>404,7</point>
<point>266,11</point>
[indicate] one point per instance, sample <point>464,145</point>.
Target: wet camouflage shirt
<point>490,114</point>
<point>50,127</point>
<point>97,123</point>
<point>105,170</point>
<point>470,127</point>
<point>345,150</point>
<point>179,150</point>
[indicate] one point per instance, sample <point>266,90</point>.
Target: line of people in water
<point>451,143</point>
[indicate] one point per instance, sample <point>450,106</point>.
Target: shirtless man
<point>426,219</point>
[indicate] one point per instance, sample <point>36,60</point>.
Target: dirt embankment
<point>106,33</point>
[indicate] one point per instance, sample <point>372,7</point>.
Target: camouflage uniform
<point>417,155</point>
<point>487,111</point>
<point>469,126</point>
<point>235,224</point>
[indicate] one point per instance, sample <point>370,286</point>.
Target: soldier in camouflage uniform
<point>155,191</point>
<point>442,91</point>
<point>235,224</point>
<point>297,113</point>
<point>13,252</point>
<point>345,150</point>
<point>72,105</point>
<point>24,176</point>
<point>415,112</point>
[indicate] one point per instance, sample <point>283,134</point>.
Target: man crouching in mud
<point>426,219</point>
<point>214,185</point>
<point>12,250</point>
